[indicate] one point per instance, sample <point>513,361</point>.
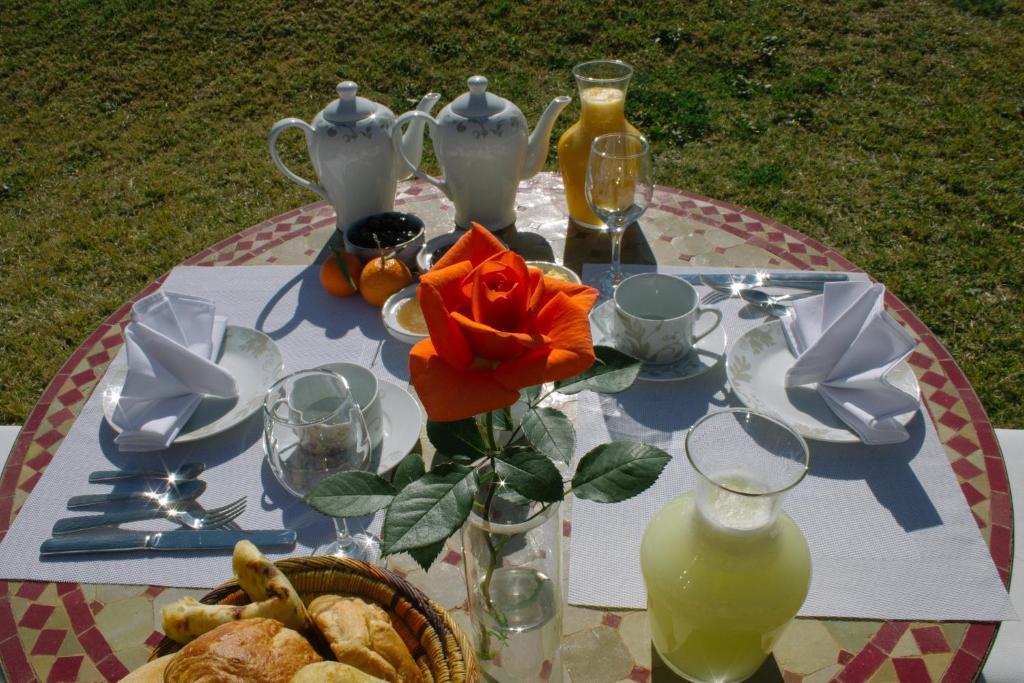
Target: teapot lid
<point>478,103</point>
<point>348,108</point>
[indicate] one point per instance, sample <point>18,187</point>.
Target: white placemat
<point>311,328</point>
<point>890,533</point>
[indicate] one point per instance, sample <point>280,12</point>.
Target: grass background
<point>132,135</point>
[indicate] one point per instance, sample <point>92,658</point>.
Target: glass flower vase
<point>512,554</point>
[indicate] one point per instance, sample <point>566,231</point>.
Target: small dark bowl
<point>378,223</point>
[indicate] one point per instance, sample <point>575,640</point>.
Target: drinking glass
<point>619,188</point>
<point>312,429</point>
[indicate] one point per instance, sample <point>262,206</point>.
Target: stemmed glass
<point>619,188</point>
<point>312,429</point>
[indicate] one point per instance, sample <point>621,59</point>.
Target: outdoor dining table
<point>68,631</point>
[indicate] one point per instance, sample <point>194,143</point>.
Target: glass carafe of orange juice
<point>602,87</point>
<point>725,569</point>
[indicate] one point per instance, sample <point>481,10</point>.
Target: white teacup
<point>366,392</point>
<point>655,316</point>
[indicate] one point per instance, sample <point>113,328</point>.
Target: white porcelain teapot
<point>481,142</point>
<point>350,146</point>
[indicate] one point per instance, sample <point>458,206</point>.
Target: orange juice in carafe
<point>602,87</point>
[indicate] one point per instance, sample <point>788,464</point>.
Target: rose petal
<point>445,332</point>
<point>499,292</point>
<point>496,345</point>
<point>476,246</point>
<point>452,394</point>
<point>570,350</point>
<point>581,295</point>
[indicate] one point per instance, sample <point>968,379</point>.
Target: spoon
<point>771,304</point>
<point>186,491</point>
<point>189,470</point>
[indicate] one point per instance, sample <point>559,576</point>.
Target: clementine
<point>382,277</point>
<point>340,273</point>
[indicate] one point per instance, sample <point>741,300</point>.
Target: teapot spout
<point>537,151</point>
<point>412,141</point>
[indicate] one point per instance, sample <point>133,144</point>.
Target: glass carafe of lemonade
<point>725,569</point>
<point>602,87</point>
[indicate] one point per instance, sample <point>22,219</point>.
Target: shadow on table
<point>318,308</point>
<point>656,407</point>
<point>592,246</point>
<point>887,472</point>
<point>215,450</point>
<point>660,673</point>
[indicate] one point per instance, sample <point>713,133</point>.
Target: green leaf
<point>619,470</point>
<point>426,555</point>
<point>530,474</point>
<point>409,470</point>
<point>612,372</point>
<point>461,437</point>
<point>550,432</point>
<point>350,494</point>
<point>429,509</point>
<point>502,419</point>
<point>530,394</point>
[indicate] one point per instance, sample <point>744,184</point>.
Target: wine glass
<point>619,188</point>
<point>313,428</point>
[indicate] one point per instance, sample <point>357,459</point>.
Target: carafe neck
<point>603,106</point>
<point>737,508</point>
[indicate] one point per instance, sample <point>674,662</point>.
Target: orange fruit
<point>333,278</point>
<point>382,277</point>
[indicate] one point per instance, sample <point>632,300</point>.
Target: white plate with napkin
<point>189,375</point>
<point>834,368</point>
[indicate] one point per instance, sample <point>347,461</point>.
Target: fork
<point>210,519</point>
<point>713,297</point>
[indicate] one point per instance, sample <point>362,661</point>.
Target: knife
<point>766,279</point>
<point>183,539</point>
<point>186,490</point>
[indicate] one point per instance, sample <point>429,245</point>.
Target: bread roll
<point>249,651</point>
<point>361,635</point>
<point>150,672</point>
<point>272,595</point>
<point>333,672</point>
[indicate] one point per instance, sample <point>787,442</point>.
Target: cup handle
<point>715,312</point>
<point>396,140</point>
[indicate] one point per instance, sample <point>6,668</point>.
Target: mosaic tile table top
<point>66,632</point>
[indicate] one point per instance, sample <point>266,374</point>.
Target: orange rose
<point>495,326</point>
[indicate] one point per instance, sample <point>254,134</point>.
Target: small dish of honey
<point>403,316</point>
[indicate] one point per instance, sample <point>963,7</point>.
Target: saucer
<point>756,367</point>
<point>706,354</point>
<point>403,420</point>
<point>249,355</point>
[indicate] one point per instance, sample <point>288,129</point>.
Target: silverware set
<point>173,498</point>
<point>750,288</point>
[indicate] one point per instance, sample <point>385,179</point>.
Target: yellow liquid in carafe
<point>719,598</point>
<point>602,110</point>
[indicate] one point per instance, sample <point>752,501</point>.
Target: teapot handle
<point>307,129</point>
<point>396,140</point>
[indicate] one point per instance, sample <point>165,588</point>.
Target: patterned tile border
<point>49,631</point>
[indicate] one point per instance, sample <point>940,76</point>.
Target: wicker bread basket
<point>440,648</point>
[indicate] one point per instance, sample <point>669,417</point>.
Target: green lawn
<point>132,135</point>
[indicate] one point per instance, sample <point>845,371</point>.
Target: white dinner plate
<point>705,354</point>
<point>756,366</point>
<point>403,420</point>
<point>249,355</point>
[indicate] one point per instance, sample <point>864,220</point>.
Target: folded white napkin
<point>172,344</point>
<point>846,342</point>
